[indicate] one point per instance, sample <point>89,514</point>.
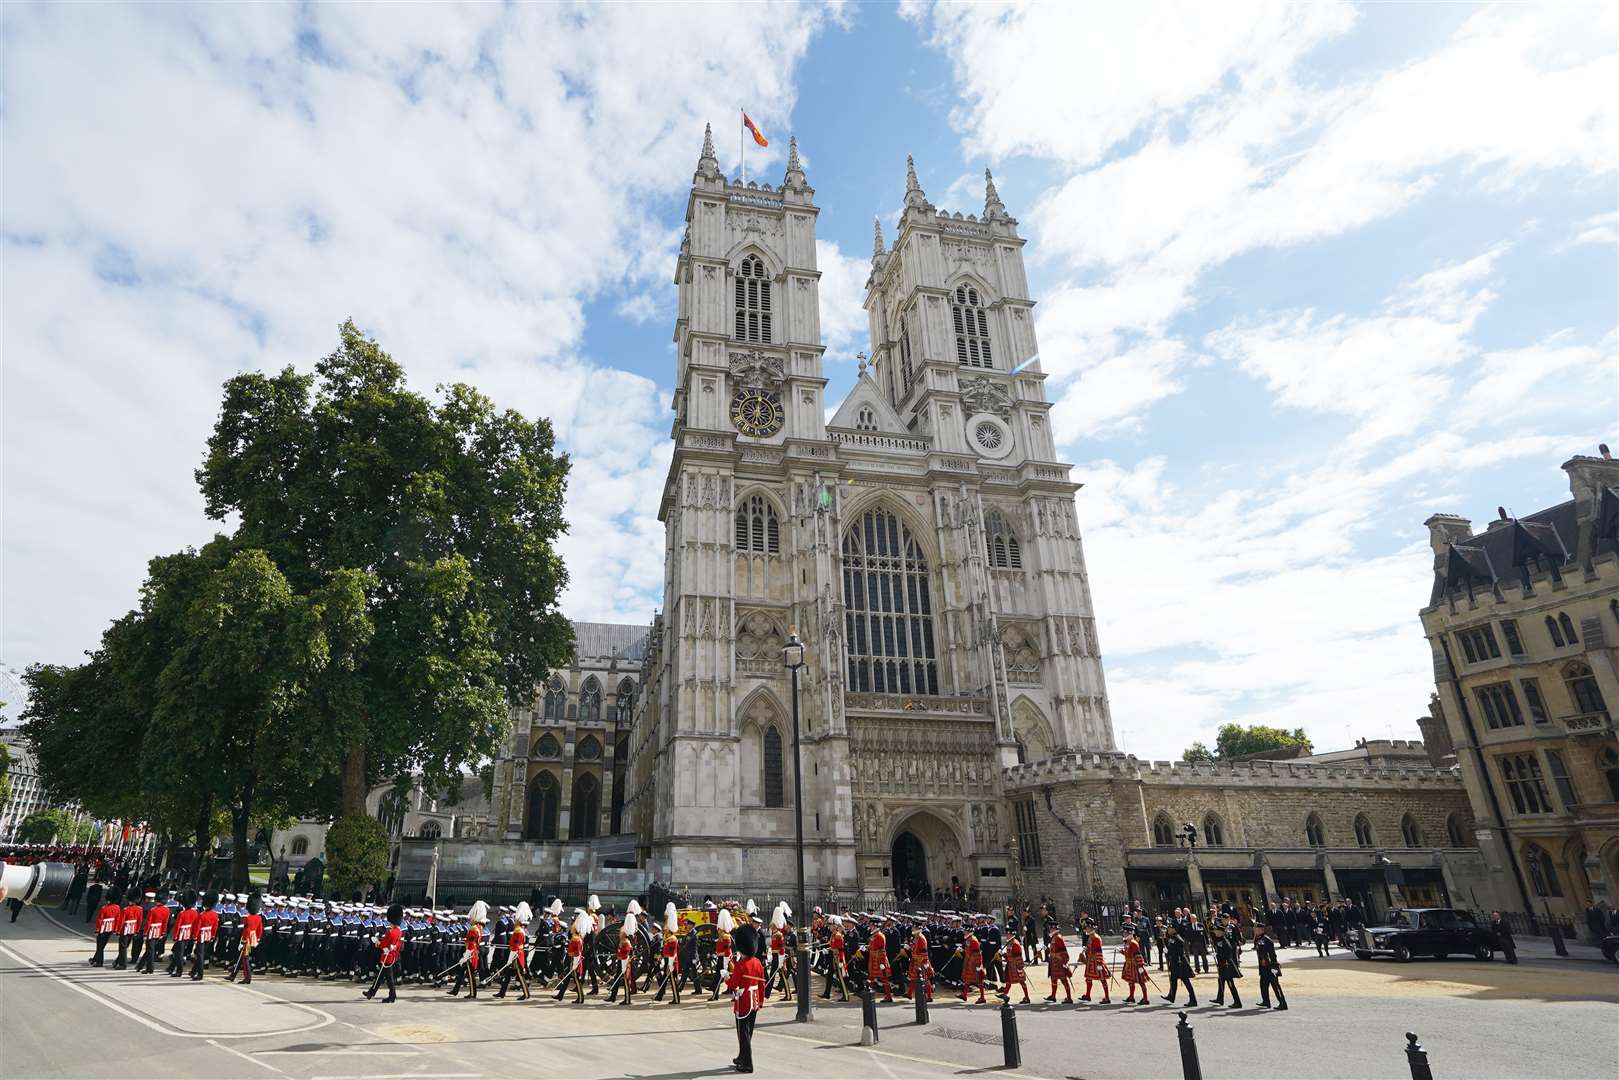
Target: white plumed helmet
<point>479,912</point>
<point>556,906</point>
<point>583,923</point>
<point>786,910</point>
<point>595,903</point>
<point>778,918</point>
<point>633,908</point>
<point>671,919</point>
<point>753,909</point>
<point>523,914</point>
<point>629,922</point>
<point>725,922</point>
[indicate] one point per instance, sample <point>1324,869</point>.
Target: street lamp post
<point>792,655</point>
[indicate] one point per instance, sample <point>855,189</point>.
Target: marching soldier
<point>1135,967</point>
<point>1180,966</point>
<point>157,925</point>
<point>877,966</point>
<point>583,924</point>
<point>1270,970</point>
<point>626,955</point>
<point>252,934</point>
<point>1096,966</point>
<point>517,944</point>
<point>130,920</point>
<point>671,954</point>
<point>779,968</point>
<point>1225,967</point>
<point>1015,973</point>
<point>746,984</point>
<point>207,931</point>
<point>467,970</point>
<point>389,946</point>
<point>107,919</point>
<point>724,926</point>
<point>185,928</point>
<point>598,923</point>
<point>835,965</point>
<point>921,966</point>
<point>1057,967</point>
<point>972,965</point>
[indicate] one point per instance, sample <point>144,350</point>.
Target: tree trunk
<point>205,847</point>
<point>355,788</point>
<point>239,854</point>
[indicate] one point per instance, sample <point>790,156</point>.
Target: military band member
<point>1270,969</point>
<point>835,968</point>
<point>779,967</point>
<point>252,933</point>
<point>1057,968</point>
<point>877,965</point>
<point>207,932</point>
<point>598,923</point>
<point>389,946</point>
<point>1015,973</point>
<point>1135,967</point>
<point>625,976</point>
<point>921,966</point>
<point>467,970</point>
<point>157,925</point>
<point>724,927</point>
<point>583,925</point>
<point>107,920</point>
<point>517,945</point>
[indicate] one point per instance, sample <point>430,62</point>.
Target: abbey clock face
<point>757,413</point>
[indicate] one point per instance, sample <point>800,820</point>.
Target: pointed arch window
<point>1554,632</point>
<point>1314,834</point>
<point>1525,785</point>
<point>1453,830</point>
<point>1163,831</point>
<point>589,749</point>
<point>1542,871</point>
<point>590,699</point>
<point>300,845</point>
<point>429,831</point>
<point>1363,831</point>
<point>546,746</point>
<point>1005,553</point>
<point>586,807</point>
<point>775,795</point>
<point>625,700</point>
<point>888,605</point>
<point>753,301</point>
<point>556,701</point>
<point>1568,628</point>
<point>1561,781</point>
<point>865,419</point>
<point>1610,771</point>
<point>757,527</point>
<point>972,328</point>
<point>1410,831</point>
<point>1583,688</point>
<point>1213,832</point>
<point>543,799</point>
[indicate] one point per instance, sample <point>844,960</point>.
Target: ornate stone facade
<point>922,542</point>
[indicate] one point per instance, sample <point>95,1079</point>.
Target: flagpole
<point>742,145</point>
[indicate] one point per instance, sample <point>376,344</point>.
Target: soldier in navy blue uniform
<point>1270,970</point>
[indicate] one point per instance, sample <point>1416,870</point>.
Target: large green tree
<point>43,826</point>
<point>1234,740</point>
<point>450,505</point>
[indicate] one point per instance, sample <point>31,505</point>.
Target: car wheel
<point>1362,954</point>
<point>1402,952</point>
<point>1482,952</point>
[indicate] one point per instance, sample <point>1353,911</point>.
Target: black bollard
<point>1557,939</point>
<point>921,1001</point>
<point>1009,1040</point>
<point>868,1012</point>
<point>1417,1058</point>
<point>1190,1069</point>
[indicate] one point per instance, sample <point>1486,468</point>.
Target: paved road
<point>60,1018</point>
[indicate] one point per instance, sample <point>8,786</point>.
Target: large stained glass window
<point>887,596</point>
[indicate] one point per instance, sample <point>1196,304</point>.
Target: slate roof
<point>1510,551</point>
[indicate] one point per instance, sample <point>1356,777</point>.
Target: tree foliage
<point>452,507</point>
<point>5,770</point>
<point>43,826</point>
<point>1234,740</point>
<point>356,854</point>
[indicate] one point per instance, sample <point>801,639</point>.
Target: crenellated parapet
<point>1091,767</point>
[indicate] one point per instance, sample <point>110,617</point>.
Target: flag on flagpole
<point>753,129</point>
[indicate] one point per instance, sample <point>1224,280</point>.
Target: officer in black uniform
<point>1180,968</point>
<point>1225,967</point>
<point>1270,969</point>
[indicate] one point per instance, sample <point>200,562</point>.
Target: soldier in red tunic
<point>130,920</point>
<point>780,969</point>
<point>1095,967</point>
<point>1057,967</point>
<point>836,962</point>
<point>1135,967</point>
<point>517,951</point>
<point>252,934</point>
<point>185,930</point>
<point>1015,975</point>
<point>583,924</point>
<point>625,976</point>
<point>972,966</point>
<point>921,966</point>
<point>477,915</point>
<point>724,926</point>
<point>389,945</point>
<point>106,926</point>
<point>207,931</point>
<point>671,955</point>
<point>877,968</point>
<point>157,925</point>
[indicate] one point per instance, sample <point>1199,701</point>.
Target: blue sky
<point>1306,274</point>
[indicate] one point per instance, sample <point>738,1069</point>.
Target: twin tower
<point>922,542</point>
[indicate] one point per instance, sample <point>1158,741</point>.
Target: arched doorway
<point>910,867</point>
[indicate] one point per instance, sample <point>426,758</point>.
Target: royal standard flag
<point>753,129</point>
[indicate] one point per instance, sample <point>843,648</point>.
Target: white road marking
<point>247,1057</point>
<point>357,1053</point>
<point>402,1076</point>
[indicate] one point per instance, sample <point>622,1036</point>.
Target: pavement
<point>61,1018</point>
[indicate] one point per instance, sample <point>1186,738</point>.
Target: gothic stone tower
<point>923,543</point>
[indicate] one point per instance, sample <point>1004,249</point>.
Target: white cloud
<point>1600,229</point>
<point>844,328</point>
<point>459,180</point>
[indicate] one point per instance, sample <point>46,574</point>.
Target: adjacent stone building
<point>1524,625</point>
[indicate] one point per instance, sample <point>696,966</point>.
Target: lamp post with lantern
<point>792,656</point>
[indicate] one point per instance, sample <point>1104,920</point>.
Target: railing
<point>1529,924</point>
<point>1591,721</point>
